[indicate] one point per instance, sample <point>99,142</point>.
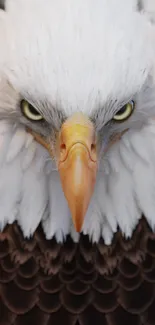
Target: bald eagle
<point>77,162</point>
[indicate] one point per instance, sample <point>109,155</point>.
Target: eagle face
<point>77,107</point>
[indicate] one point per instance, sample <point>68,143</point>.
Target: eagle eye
<point>30,112</point>
<point>125,112</point>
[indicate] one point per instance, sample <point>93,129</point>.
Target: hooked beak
<point>76,155</point>
<point>77,164</point>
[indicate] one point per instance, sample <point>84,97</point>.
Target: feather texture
<point>60,71</point>
<point>79,284</point>
<point>122,194</point>
<point>64,57</point>
<point>68,60</point>
<point>149,7</point>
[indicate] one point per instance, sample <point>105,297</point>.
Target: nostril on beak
<point>63,147</point>
<point>63,151</point>
<point>93,147</point>
<point>93,150</point>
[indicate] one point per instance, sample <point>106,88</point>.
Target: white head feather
<point>69,56</point>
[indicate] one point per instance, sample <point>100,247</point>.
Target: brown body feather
<point>42,282</point>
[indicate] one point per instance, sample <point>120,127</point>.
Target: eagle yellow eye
<point>125,112</point>
<point>30,112</point>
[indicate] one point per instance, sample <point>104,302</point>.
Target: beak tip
<point>78,219</point>
<point>78,226</point>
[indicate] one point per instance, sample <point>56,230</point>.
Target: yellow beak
<point>77,164</point>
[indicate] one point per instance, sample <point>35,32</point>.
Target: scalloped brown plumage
<point>48,283</point>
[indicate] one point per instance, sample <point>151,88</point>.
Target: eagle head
<point>77,107</point>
